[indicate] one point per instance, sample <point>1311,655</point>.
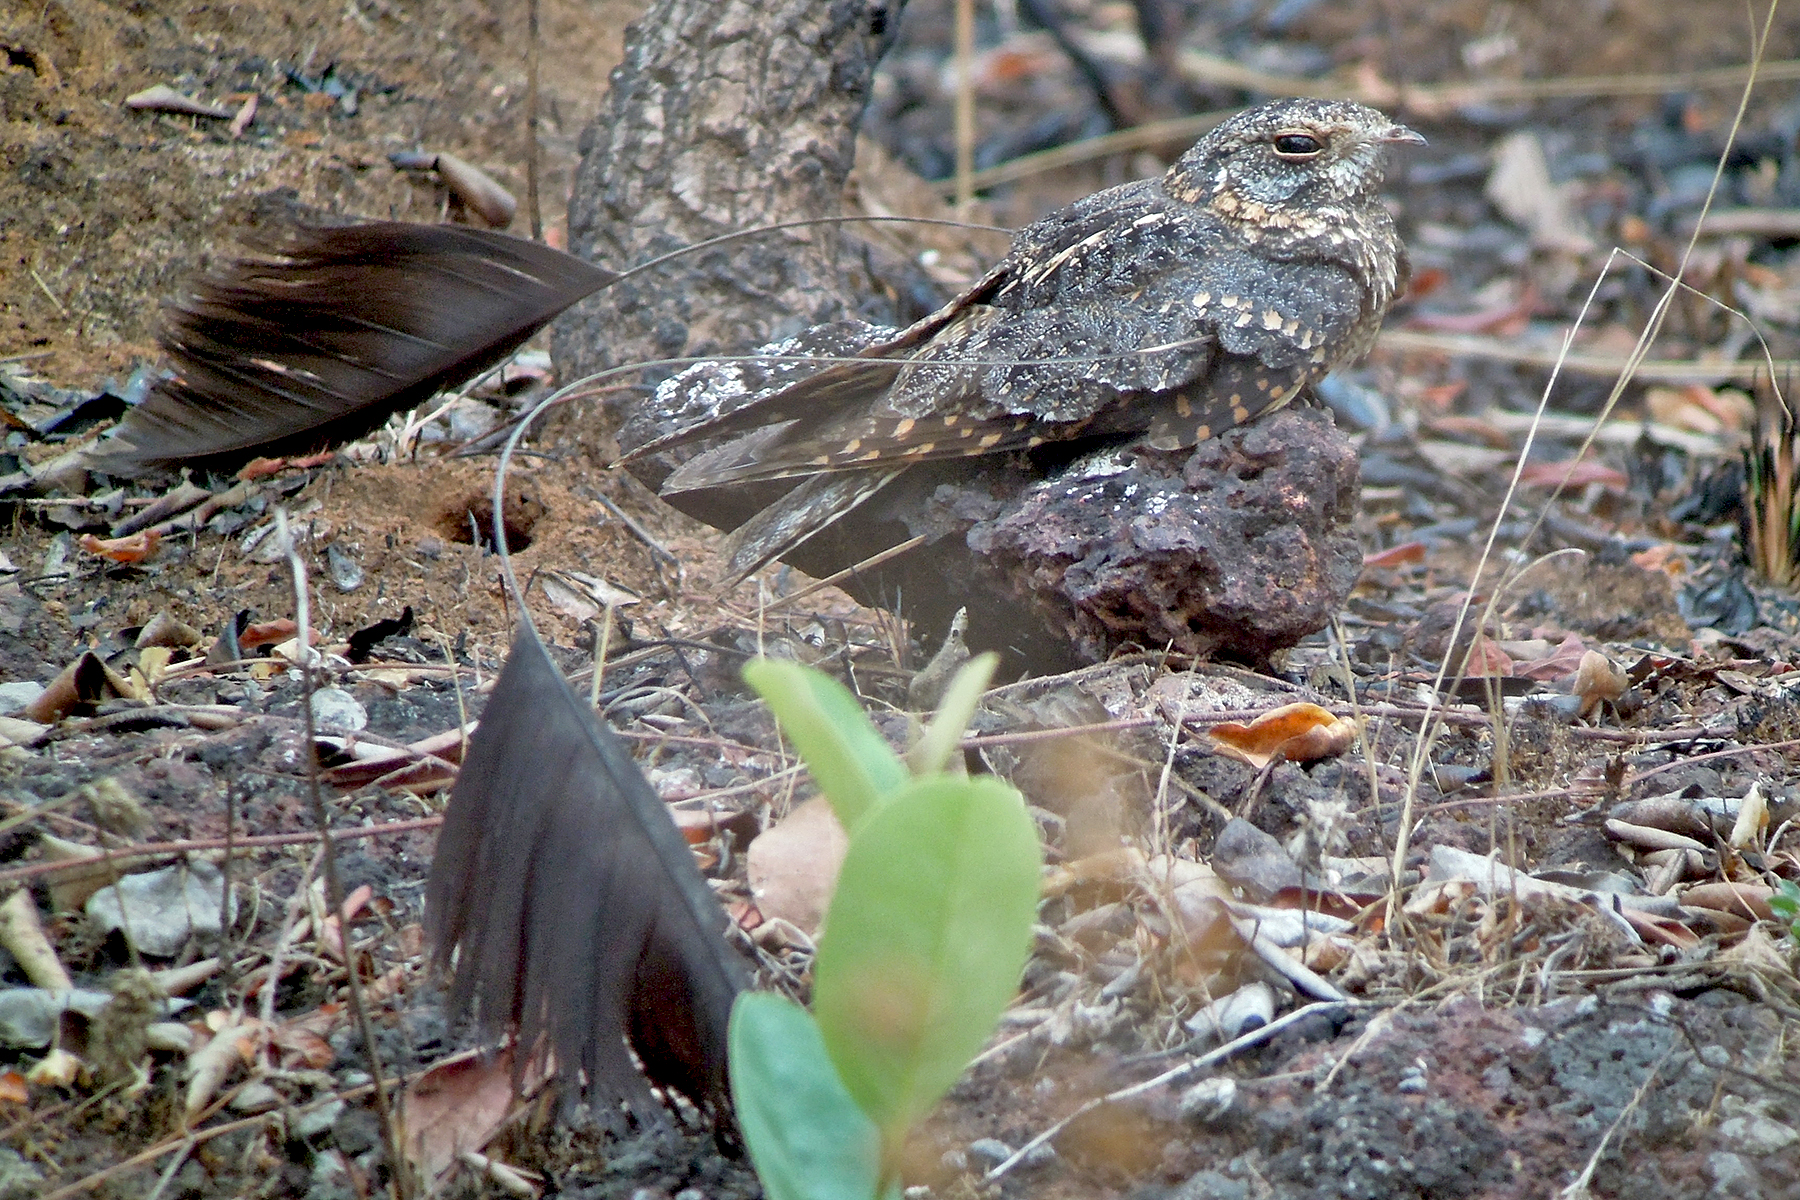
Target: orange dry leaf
<point>1573,475</point>
<point>1487,659</point>
<point>1295,732</point>
<point>133,549</point>
<point>460,1104</point>
<point>267,632</point>
<point>1562,662</point>
<point>1598,679</point>
<point>1665,557</point>
<point>1396,556</point>
<point>12,1088</point>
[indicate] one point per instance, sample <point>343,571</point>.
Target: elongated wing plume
<point>569,908</point>
<point>321,334</point>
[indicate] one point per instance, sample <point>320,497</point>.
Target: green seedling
<point>924,941</point>
<point>1785,904</point>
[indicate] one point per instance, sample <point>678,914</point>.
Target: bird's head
<point>1293,155</point>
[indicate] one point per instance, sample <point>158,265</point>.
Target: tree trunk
<point>724,115</point>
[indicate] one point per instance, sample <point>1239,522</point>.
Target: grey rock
<point>311,1122</point>
<point>1210,1185</point>
<point>337,711</point>
<point>28,1016</point>
<point>19,1180</point>
<point>16,695</point>
<point>158,911</point>
<point>1209,1100</point>
<point>1733,1178</point>
<point>1757,1135</point>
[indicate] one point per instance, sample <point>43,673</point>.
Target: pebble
<point>991,1151</point>
<point>337,711</point>
<point>256,1097</point>
<point>1208,1100</point>
<point>166,907</point>
<point>1757,1135</point>
<point>16,695</point>
<point>310,1122</point>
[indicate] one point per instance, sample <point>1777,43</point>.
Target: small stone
<point>1244,856</point>
<point>991,1151</point>
<point>165,908</point>
<point>1208,1100</point>
<point>1210,1185</point>
<point>19,1180</point>
<point>1757,1135</point>
<point>346,573</point>
<point>1732,1176</point>
<point>16,695</point>
<point>256,1097</point>
<point>1413,1081</point>
<point>337,711</point>
<point>309,1123</point>
<point>29,1016</point>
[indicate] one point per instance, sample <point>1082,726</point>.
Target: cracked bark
<point>724,115</point>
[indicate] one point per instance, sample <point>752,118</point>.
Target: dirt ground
<point>1509,1043</point>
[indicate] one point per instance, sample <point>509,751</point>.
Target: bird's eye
<point>1297,145</point>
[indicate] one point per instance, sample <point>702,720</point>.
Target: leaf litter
<point>1594,843</point>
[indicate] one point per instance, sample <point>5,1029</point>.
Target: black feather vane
<point>324,332</point>
<point>569,910</point>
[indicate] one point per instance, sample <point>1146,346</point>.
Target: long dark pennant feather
<point>569,908</point>
<point>326,332</point>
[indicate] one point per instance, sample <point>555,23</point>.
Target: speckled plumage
<point>1171,308</point>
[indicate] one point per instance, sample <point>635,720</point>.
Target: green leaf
<point>852,764</point>
<point>946,728</point>
<point>924,942</point>
<point>1785,903</point>
<point>807,1137</point>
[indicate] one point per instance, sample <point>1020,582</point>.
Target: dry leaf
<point>793,865</point>
<point>133,548</point>
<point>12,1088</point>
<point>22,934</point>
<point>1666,557</point>
<point>1752,818</point>
<point>1521,188</point>
<point>1746,899</point>
<point>457,1106</point>
<point>1562,662</point>
<point>1598,680</point>
<point>163,98</point>
<point>1487,660</point>
<point>232,1044</point>
<point>1405,554</point>
<point>1573,475</point>
<point>1295,732</point>
<point>58,1068</point>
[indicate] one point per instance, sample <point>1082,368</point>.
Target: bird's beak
<point>1401,135</point>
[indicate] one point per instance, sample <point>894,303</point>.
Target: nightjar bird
<point>1163,311</point>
